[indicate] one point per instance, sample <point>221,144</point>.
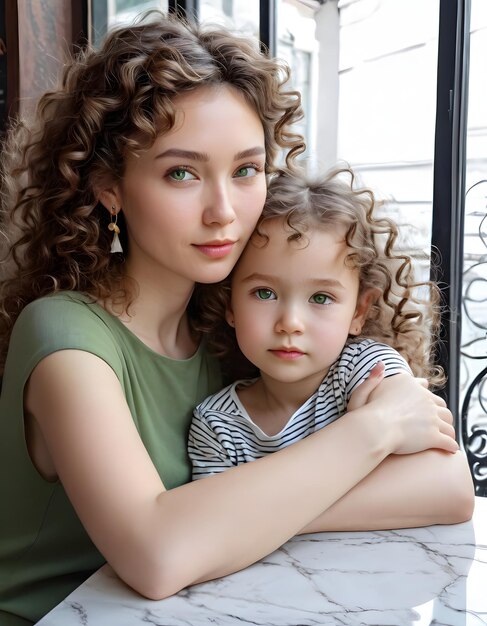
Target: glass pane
<point>108,13</point>
<point>474,304</point>
<point>238,15</point>
<point>298,46</point>
<point>367,73</point>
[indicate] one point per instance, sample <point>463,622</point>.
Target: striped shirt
<point>223,435</point>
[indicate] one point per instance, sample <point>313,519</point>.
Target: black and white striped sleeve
<point>206,449</point>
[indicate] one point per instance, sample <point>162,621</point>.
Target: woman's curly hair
<point>110,103</point>
<point>404,312</point>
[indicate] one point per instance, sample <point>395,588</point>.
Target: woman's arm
<point>429,487</point>
<point>160,541</point>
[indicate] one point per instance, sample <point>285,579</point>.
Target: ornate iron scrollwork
<point>475,440</point>
<point>474,344</point>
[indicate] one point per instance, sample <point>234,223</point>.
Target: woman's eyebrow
<point>183,154</point>
<point>256,151</point>
<point>192,155</point>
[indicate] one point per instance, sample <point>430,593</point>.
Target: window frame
<point>449,200</point>
<point>11,84</point>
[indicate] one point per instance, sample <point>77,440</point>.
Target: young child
<point>317,299</point>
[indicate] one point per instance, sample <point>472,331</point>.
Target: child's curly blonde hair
<point>404,313</point>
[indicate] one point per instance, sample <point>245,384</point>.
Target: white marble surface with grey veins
<point>414,577</point>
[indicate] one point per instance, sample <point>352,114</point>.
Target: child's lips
<point>287,354</point>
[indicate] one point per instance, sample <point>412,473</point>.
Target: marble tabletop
<point>415,577</point>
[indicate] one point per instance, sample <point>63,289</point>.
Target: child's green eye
<point>265,294</point>
<point>320,298</point>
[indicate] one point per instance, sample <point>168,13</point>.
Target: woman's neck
<point>157,315</point>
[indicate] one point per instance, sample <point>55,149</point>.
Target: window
<point>107,13</point>
<point>367,73</point>
<point>238,15</point>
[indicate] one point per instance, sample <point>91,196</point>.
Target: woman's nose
<point>218,206</point>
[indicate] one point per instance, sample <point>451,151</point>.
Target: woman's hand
<point>361,394</point>
<point>420,419</point>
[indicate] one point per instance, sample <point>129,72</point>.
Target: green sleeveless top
<point>44,551</point>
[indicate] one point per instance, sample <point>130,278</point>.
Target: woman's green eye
<point>320,298</point>
<point>181,175</point>
<point>265,294</point>
<point>245,172</point>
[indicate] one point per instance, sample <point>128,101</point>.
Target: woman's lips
<point>216,250</point>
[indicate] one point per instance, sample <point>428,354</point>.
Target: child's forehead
<point>277,244</point>
<point>319,254</point>
<point>297,232</point>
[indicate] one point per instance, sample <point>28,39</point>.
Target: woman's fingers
<point>439,400</point>
<point>420,418</point>
<point>426,420</point>
<point>361,394</point>
<point>445,442</point>
<point>447,429</point>
<point>445,414</point>
<point>446,435</point>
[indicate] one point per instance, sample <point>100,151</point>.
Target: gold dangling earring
<point>116,245</point>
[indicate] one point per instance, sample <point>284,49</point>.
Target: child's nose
<point>290,321</point>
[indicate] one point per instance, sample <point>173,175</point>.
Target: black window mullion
<point>267,25</point>
<point>9,62</point>
<point>79,23</point>
<point>188,8</point>
<point>449,185</point>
